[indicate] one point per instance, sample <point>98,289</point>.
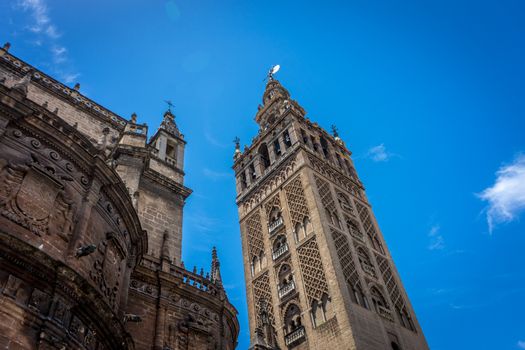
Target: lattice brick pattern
<point>391,285</point>
<point>345,257</point>
<point>312,270</point>
<point>261,292</point>
<point>364,215</point>
<point>274,202</point>
<point>255,235</point>
<point>326,195</point>
<point>296,201</point>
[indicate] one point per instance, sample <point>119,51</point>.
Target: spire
<point>215,267</point>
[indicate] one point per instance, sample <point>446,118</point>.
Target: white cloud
<point>39,12</point>
<point>47,34</point>
<point>71,78</point>
<point>216,175</point>
<point>437,242</point>
<point>212,140</point>
<point>506,197</point>
<point>521,344</point>
<point>59,54</point>
<point>379,153</point>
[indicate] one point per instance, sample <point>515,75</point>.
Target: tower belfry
<point>318,272</point>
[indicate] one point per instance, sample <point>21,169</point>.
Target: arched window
<point>275,214</point>
<point>286,138</point>
<point>305,138</point>
<point>314,144</point>
<point>405,319</point>
<point>279,242</point>
<point>255,266</point>
<point>333,218</point>
<point>243,181</point>
<point>292,318</point>
<point>366,263</point>
<point>279,246</point>
<point>324,147</point>
<point>298,232</point>
<point>344,202</point>
<point>358,296</point>
<point>285,274</point>
<point>378,299</point>
<point>339,161</point>
<point>277,148</point>
<point>353,228</point>
<point>308,228</point>
<point>253,174</point>
<point>265,156</point>
<point>376,243</point>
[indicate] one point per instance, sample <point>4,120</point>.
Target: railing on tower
<point>286,289</point>
<point>294,336</point>
<point>275,225</point>
<point>280,251</point>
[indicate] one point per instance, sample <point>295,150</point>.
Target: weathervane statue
<point>272,71</point>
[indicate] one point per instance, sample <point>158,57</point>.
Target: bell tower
<point>318,272</point>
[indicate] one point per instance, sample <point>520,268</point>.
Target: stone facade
<point>91,228</point>
<point>318,272</point>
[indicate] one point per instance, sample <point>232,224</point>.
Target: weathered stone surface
<point>91,228</point>
<point>318,273</point>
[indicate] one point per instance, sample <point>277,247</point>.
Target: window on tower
<point>253,174</point>
<point>277,148</point>
<point>366,263</point>
<point>243,181</point>
<point>265,156</point>
<point>304,138</point>
<point>324,147</point>
<point>314,144</point>
<point>286,139</point>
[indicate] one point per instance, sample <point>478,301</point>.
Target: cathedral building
<point>318,272</point>
<point>91,228</point>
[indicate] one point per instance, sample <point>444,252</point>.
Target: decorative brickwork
<point>255,235</point>
<point>326,194</point>
<point>263,297</point>
<point>345,257</point>
<point>312,270</point>
<point>296,201</point>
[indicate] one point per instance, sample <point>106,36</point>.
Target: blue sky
<point>429,96</point>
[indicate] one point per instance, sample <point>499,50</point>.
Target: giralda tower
<point>318,272</point>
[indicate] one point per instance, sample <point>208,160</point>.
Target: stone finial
<point>6,46</point>
<point>134,118</point>
<point>237,152</point>
<point>77,86</point>
<point>165,252</point>
<point>215,267</point>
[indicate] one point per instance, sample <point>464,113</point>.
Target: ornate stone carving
<point>106,270</point>
<point>33,195</point>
